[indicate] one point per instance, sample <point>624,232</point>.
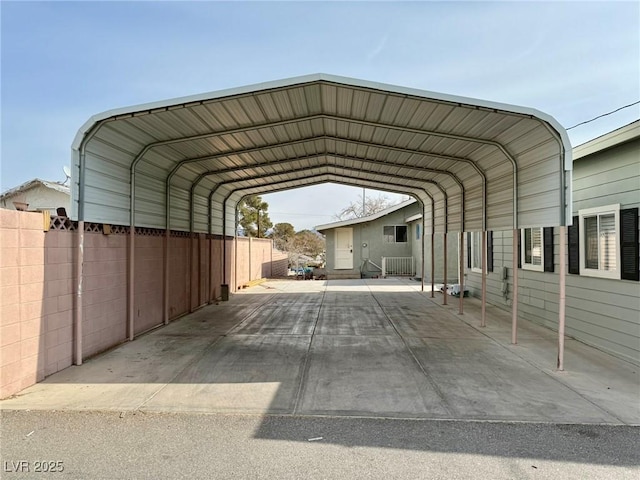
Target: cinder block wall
<point>179,276</point>
<point>36,301</point>
<point>148,307</point>
<point>38,288</point>
<point>104,295</point>
<point>257,259</point>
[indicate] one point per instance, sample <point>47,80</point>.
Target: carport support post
<point>433,263</point>
<point>422,252</point>
<point>190,272</point>
<point>250,253</point>
<point>562,305</point>
<point>211,291</point>
<point>514,303</point>
<point>77,327</point>
<point>461,274</point>
<point>165,289</point>
<point>130,289</point>
<point>483,317</point>
<point>199,270</point>
<point>444,290</point>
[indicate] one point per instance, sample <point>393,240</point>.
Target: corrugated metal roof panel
<point>354,131</point>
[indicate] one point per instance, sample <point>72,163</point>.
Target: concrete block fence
<point>38,287</point>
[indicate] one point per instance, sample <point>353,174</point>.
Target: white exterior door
<point>344,248</point>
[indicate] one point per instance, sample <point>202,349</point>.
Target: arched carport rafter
<point>420,153</point>
<point>296,159</point>
<point>355,181</point>
<point>150,146</point>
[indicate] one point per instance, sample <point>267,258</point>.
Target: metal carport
<point>184,164</point>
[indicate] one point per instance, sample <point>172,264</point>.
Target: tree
<point>308,243</point>
<point>254,216</point>
<point>372,204</point>
<point>282,235</point>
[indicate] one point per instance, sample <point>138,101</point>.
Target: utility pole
<point>258,223</point>
<point>363,202</point>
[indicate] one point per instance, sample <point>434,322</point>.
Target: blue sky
<point>62,62</point>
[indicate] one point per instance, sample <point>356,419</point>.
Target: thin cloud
<point>376,51</point>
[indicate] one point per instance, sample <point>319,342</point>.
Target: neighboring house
<point>37,195</point>
<point>355,248</point>
<point>602,289</point>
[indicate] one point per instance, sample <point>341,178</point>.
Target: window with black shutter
<point>600,240</point>
<point>573,241</point>
<point>629,244</point>
<point>547,243</point>
<point>490,251</point>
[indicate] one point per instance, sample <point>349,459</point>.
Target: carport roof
<point>186,163</point>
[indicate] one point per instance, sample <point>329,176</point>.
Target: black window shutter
<point>468,249</point>
<point>574,246</point>
<point>519,233</point>
<point>490,251</point>
<point>547,240</point>
<point>629,244</point>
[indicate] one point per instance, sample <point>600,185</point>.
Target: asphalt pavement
<point>143,445</point>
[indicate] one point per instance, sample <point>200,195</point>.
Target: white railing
<point>398,266</point>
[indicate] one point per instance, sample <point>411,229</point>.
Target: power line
<point>604,115</point>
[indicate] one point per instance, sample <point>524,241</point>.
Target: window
<point>417,231</point>
<point>532,250</point>
<point>475,251</point>
<point>395,233</point>
<point>598,240</point>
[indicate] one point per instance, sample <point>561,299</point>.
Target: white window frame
<point>523,257</point>
<point>395,234</point>
<point>476,237</point>
<point>597,211</point>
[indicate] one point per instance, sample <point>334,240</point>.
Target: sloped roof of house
<point>608,140</point>
<point>368,218</point>
<point>34,183</point>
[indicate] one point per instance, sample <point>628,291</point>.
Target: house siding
<point>38,197</point>
<point>601,312</point>
<point>452,255</point>
<point>371,233</point>
<point>608,177</point>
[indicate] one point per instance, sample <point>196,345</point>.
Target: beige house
<point>37,195</point>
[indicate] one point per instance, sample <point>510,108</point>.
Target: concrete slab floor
<point>378,347</point>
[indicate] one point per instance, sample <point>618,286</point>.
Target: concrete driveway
<point>376,348</point>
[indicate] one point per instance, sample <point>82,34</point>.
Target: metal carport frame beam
<point>350,158</point>
<point>467,161</point>
<point>399,188</point>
